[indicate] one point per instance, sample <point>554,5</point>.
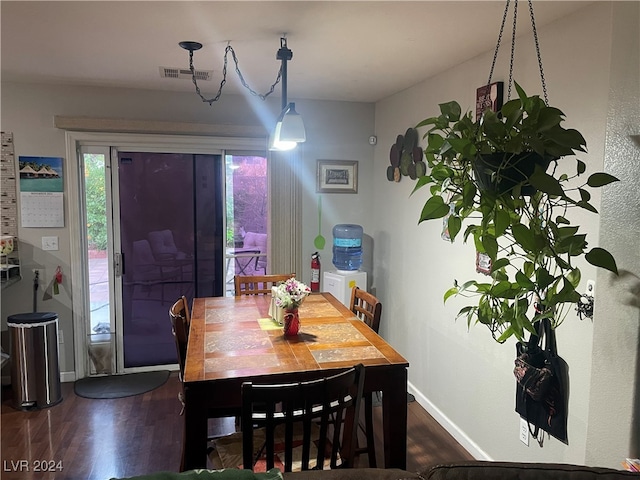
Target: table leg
<point>194,446</point>
<point>394,420</point>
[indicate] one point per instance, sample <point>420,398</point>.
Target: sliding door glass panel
<point>100,339</point>
<point>169,220</point>
<point>247,215</point>
<point>208,201</point>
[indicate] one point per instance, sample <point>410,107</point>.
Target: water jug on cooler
<point>347,247</point>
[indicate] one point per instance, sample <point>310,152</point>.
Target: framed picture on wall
<point>337,176</point>
<point>489,96</point>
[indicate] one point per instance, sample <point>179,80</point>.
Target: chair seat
<point>226,452</point>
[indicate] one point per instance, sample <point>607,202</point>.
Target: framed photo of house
<point>337,176</point>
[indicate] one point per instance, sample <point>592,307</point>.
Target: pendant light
<point>289,129</point>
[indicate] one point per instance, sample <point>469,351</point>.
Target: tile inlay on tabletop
<point>222,364</point>
<point>344,354</point>
<point>338,333</point>
<point>313,309</point>
<point>221,314</point>
<point>232,341</point>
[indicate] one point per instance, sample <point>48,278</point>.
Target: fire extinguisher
<point>315,272</point>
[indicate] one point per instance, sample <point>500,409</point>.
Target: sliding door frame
<point>139,142</point>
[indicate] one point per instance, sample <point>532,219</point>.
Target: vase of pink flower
<point>289,296</point>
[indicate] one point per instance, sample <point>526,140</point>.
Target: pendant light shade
<point>289,130</point>
<point>275,144</point>
<point>292,129</point>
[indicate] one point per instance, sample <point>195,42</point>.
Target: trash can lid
<point>30,318</point>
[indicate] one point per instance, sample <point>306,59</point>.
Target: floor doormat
<point>118,386</point>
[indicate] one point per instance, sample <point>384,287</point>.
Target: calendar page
<point>42,209</point>
<point>41,191</point>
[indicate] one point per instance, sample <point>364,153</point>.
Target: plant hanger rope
<point>227,50</point>
<point>513,47</point>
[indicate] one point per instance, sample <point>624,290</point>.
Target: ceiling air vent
<point>185,73</point>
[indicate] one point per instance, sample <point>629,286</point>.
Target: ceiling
<point>342,50</point>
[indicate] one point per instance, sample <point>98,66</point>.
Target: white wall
<point>336,131</point>
<point>614,400</point>
<point>462,376</point>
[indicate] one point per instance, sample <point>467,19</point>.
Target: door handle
<point>118,263</point>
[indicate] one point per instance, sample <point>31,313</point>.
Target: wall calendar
<point>41,192</point>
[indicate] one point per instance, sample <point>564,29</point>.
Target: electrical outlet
<point>524,431</point>
<point>591,288</point>
<point>60,336</point>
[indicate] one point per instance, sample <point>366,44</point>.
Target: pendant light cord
<point>228,50</point>
<point>513,47</point>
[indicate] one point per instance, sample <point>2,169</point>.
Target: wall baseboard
<point>460,436</point>
<point>67,377</point>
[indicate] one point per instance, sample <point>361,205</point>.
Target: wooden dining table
<point>233,340</point>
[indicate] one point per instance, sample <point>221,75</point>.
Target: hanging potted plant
<point>505,175</point>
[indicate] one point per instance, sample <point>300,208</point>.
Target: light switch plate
<point>49,243</point>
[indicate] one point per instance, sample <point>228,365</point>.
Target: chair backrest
<point>258,284</point>
<point>366,307</point>
<point>326,410</point>
<point>180,318</point>
<point>162,244</point>
<point>259,240</point>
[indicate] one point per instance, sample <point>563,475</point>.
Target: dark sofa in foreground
<point>472,470</point>
<point>522,471</point>
<point>475,470</point>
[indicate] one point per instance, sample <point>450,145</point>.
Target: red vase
<point>291,322</point>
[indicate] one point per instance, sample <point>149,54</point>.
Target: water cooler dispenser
<point>347,258</point>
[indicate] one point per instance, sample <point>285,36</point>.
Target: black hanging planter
<point>500,172</point>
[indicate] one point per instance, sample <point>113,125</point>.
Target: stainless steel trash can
<point>35,374</point>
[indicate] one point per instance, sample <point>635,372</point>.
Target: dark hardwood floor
<point>85,439</point>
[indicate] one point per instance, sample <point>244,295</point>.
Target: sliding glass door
<point>154,230</point>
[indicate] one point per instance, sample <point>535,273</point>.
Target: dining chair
<point>180,320</point>
<point>258,284</point>
<point>258,240</point>
<point>309,406</point>
<point>368,309</point>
